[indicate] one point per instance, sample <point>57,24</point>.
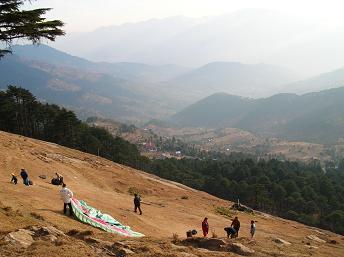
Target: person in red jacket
<point>205,227</point>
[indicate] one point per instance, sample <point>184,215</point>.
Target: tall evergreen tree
<point>25,24</point>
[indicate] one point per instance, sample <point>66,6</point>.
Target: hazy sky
<point>86,15</point>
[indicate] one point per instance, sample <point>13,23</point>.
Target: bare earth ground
<point>106,185</point>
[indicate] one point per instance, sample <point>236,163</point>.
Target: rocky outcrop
<point>21,237</point>
<point>239,249</point>
<point>316,239</point>
<point>243,208</point>
<point>217,244</point>
<point>26,237</point>
<point>281,241</point>
<point>207,243</point>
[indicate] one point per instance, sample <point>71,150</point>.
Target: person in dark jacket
<point>205,227</point>
<point>59,177</point>
<point>25,177</point>
<point>231,232</point>
<point>137,203</point>
<point>236,225</point>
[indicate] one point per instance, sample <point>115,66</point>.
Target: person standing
<point>205,227</point>
<point>253,228</point>
<point>236,225</point>
<point>66,196</point>
<point>137,203</point>
<point>25,177</point>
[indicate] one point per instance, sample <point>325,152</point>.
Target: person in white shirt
<point>66,196</point>
<point>253,228</point>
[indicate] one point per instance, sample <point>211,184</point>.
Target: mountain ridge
<point>290,116</point>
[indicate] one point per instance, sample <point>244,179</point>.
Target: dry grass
<point>133,191</point>
<point>214,234</point>
<point>175,238</point>
<point>105,185</point>
<point>37,216</point>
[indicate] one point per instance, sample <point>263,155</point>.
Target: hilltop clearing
<point>168,208</point>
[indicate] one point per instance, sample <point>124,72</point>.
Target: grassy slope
<point>105,185</point>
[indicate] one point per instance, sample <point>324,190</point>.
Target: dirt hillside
<point>169,208</point>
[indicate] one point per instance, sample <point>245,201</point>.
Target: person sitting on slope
<point>59,177</point>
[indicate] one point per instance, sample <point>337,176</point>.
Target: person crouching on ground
<point>66,196</point>
<point>231,232</point>
<point>137,203</point>
<point>14,179</point>
<point>205,227</point>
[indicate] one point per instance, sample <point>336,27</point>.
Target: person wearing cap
<point>14,179</point>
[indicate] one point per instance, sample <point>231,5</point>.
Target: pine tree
<point>25,24</point>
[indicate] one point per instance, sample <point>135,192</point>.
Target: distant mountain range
<point>123,70</point>
<point>313,117</point>
<point>134,91</point>
<point>85,92</point>
<point>246,36</point>
<point>138,92</point>
<point>323,81</point>
<point>252,80</point>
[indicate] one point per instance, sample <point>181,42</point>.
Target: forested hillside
<point>22,114</point>
<point>301,192</point>
<point>288,189</point>
<point>87,93</point>
<point>313,117</point>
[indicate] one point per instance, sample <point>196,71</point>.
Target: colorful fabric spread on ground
<point>94,217</point>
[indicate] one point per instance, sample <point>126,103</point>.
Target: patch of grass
<point>7,209</point>
<point>225,212</point>
<point>36,216</point>
<point>175,238</point>
<point>133,190</point>
<point>73,232</point>
<point>213,234</point>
